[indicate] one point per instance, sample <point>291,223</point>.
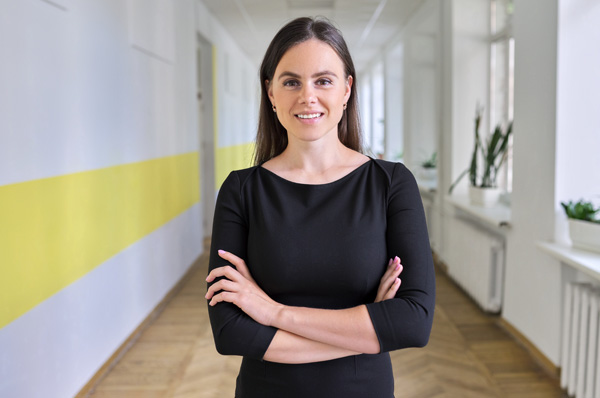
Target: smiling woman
<point>309,91</point>
<point>305,266</point>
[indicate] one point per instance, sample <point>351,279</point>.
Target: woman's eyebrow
<point>285,74</point>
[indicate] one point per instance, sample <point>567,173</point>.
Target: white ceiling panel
<point>367,25</point>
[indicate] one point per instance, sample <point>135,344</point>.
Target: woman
<point>304,264</point>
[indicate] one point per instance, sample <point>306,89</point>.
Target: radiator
<point>580,367</point>
<point>476,263</point>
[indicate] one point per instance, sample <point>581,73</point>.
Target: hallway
<point>468,355</point>
<point>121,119</point>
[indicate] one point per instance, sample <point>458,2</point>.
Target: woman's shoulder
<point>243,174</point>
<point>393,171</point>
<point>238,178</point>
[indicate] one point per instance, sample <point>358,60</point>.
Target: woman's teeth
<point>309,116</point>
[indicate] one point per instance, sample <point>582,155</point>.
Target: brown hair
<point>271,137</point>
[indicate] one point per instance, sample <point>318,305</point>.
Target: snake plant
<point>491,154</point>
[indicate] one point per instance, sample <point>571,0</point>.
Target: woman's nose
<point>307,95</point>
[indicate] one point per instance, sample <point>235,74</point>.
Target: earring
<point>345,106</point>
<point>274,109</point>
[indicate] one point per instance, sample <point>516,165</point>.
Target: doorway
<point>206,131</point>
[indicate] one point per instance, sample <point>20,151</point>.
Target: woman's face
<point>309,90</point>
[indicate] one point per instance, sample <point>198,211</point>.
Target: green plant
<point>581,210</point>
<point>430,163</point>
<point>492,154</point>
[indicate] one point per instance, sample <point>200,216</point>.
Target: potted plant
<point>584,224</point>
<point>428,169</point>
<point>486,160</point>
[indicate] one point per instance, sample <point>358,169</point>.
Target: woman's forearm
<point>349,329</point>
<point>290,348</point>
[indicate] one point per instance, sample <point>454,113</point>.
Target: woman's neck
<point>314,162</point>
<point>312,157</point>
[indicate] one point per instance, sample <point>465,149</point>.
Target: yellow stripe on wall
<point>55,230</point>
<point>232,158</point>
<point>227,158</point>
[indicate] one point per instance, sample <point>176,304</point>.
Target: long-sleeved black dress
<point>324,246</point>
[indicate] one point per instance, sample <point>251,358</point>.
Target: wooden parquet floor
<point>468,355</point>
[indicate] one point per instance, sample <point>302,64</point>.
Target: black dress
<point>324,246</point>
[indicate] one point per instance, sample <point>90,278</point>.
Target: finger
<point>226,271</point>
<point>223,296</point>
<point>384,287</point>
<point>223,284</point>
<point>388,270</point>
<point>239,263</point>
<point>393,270</point>
<point>391,293</point>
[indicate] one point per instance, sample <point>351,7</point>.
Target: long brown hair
<point>271,137</point>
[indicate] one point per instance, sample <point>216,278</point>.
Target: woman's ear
<point>269,91</point>
<point>349,82</point>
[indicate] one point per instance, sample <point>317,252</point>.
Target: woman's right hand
<point>237,286</point>
<point>390,281</point>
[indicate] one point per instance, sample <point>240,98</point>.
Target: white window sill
<point>585,261</point>
<point>497,216</point>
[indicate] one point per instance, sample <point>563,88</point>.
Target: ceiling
<point>367,25</point>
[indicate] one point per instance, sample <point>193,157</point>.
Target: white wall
<point>86,85</point>
<point>578,99</point>
<point>422,85</point>
<point>394,104</point>
<point>532,281</point>
<point>238,92</point>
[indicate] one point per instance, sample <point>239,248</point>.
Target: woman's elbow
<point>223,347</point>
<point>420,340</point>
<point>422,331</point>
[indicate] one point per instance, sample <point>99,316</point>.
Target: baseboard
<point>135,335</point>
<point>535,353</point>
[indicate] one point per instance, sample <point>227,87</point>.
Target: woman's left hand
<point>390,281</point>
<point>239,288</point>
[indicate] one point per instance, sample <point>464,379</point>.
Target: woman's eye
<point>323,82</point>
<point>291,83</point>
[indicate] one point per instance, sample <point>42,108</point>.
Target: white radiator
<point>580,367</point>
<point>476,263</point>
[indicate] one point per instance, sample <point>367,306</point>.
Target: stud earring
<point>345,106</point>
<point>274,109</point>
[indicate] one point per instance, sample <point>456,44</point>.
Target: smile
<point>309,115</point>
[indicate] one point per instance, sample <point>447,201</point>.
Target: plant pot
<point>484,197</point>
<point>427,173</point>
<point>585,234</point>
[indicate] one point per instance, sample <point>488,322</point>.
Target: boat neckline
<point>345,176</point>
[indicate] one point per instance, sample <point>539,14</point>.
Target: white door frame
<point>206,131</point>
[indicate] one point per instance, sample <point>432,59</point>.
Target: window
<point>502,50</point>
<point>366,111</point>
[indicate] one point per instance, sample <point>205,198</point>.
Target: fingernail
<point>221,251</point>
<point>397,259</point>
<point>397,281</point>
<point>397,267</point>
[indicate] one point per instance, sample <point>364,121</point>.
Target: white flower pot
<point>585,234</point>
<point>484,197</point>
<point>427,174</point>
